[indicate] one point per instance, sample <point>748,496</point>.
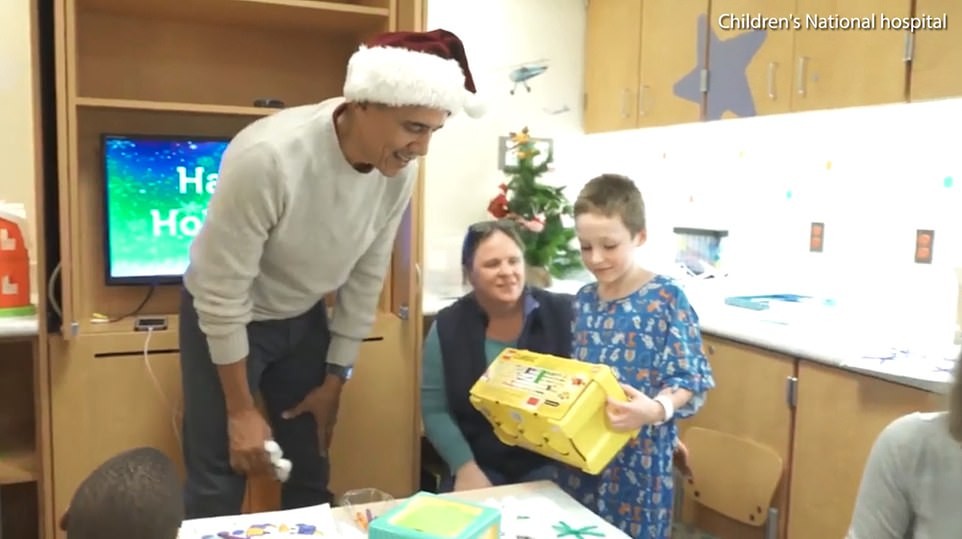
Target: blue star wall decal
<point>728,85</point>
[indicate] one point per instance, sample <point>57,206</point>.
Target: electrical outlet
<point>816,237</point>
<point>924,242</point>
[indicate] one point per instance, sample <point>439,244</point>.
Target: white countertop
<point>833,335</point>
<point>18,327</point>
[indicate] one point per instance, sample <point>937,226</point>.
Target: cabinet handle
<point>791,391</point>
<point>711,349</point>
<point>625,103</point>
<point>909,48</point>
<point>641,99</point>
<point>800,76</point>
<point>771,80</point>
<point>417,275</point>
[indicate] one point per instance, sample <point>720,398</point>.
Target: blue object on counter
<point>761,303</point>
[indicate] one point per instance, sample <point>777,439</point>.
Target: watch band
<point>342,372</point>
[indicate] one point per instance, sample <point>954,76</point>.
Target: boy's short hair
<point>613,195</point>
<point>134,494</point>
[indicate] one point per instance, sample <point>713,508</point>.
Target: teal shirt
<point>439,424</point>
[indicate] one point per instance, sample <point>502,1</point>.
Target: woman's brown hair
<point>478,232</point>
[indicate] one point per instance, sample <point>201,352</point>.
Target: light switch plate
<point>816,237</point>
<point>924,243</point>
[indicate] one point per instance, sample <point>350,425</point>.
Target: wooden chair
<point>733,476</point>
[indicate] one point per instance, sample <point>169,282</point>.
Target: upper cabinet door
<point>750,69</point>
<point>612,50</point>
<point>838,68</point>
<point>937,54</point>
<point>673,49</point>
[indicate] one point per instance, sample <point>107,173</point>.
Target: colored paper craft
<point>317,521</point>
<point>268,530</point>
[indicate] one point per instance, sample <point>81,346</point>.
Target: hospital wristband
<point>665,402</point>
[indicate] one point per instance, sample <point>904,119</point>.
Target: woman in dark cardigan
<point>500,312</point>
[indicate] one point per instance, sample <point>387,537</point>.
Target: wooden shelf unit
<point>19,458</point>
<point>159,67</point>
<point>196,68</point>
<point>166,106</point>
<point>332,18</point>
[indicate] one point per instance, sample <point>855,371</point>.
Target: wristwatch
<point>342,372</point>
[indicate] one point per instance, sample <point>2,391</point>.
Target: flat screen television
<point>156,190</point>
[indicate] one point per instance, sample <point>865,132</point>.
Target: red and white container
<point>14,262</point>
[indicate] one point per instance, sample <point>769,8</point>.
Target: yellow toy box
<point>553,406</point>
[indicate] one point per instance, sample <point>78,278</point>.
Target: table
<point>523,491</point>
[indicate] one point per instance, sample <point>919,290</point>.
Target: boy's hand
<point>640,410</point>
<point>680,459</point>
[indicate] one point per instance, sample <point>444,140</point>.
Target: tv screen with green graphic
<point>156,190</point>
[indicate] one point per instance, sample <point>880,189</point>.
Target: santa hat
<point>427,69</point>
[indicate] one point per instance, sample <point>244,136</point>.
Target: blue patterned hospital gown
<point>652,341</point>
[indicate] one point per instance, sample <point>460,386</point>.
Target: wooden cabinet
<point>20,458</point>
<point>656,62</point>
<point>750,72</point>
<point>163,68</point>
<point>838,418</point>
<point>805,59</point>
<point>936,68</point>
<point>838,68</point>
<point>751,399</point>
<point>632,77</point>
<point>110,393</point>
<point>612,56</point>
<point>821,419</point>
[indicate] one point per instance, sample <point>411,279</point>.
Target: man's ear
<point>64,520</point>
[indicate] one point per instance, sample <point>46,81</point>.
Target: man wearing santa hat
<point>308,202</point>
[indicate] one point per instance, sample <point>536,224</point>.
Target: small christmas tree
<point>539,209</point>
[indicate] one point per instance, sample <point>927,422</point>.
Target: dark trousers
<point>287,360</point>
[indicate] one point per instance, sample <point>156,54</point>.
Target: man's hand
<point>247,432</point>
<point>470,477</point>
<point>322,403</point>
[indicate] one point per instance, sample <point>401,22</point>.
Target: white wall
<point>872,175</point>
<point>16,109</point>
<point>461,170</point>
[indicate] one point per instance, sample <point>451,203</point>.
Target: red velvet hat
<point>426,69</point>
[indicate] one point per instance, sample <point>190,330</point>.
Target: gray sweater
<point>290,221</point>
<point>912,483</point>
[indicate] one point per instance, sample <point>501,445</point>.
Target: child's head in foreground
<point>134,494</point>
<point>610,224</point>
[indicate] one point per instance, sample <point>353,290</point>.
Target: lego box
<point>553,406</point>
<point>428,516</point>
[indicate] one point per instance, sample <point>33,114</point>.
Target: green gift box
<point>429,516</point>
